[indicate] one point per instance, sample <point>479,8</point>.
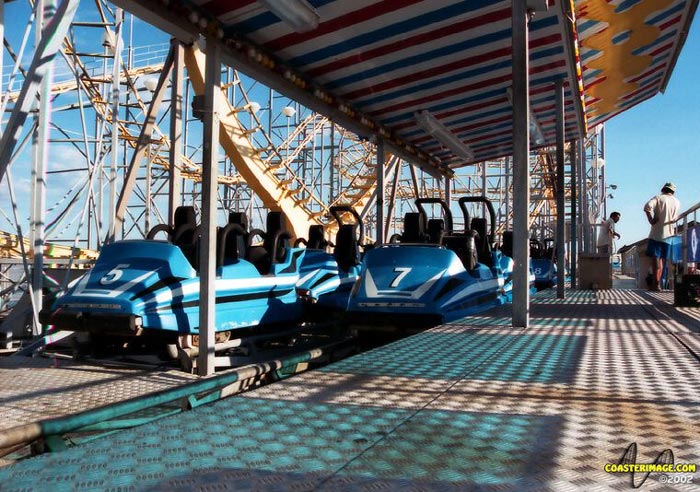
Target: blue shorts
<point>658,249</point>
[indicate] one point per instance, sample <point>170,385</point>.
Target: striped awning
<point>388,60</point>
<point>628,50</point>
<point>376,64</point>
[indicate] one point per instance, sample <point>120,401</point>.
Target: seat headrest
<point>239,218</point>
<point>436,230</point>
<point>317,238</point>
<point>479,225</point>
<point>184,215</point>
<point>413,227</point>
<point>276,221</point>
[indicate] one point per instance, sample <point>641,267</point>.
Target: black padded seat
<point>507,247</point>
<point>317,239</point>
<point>483,247</point>
<point>347,249</point>
<point>275,239</point>
<point>436,230</point>
<point>239,218</point>
<point>464,247</point>
<point>413,228</point>
<point>230,244</point>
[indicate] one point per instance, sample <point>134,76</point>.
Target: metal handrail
<point>683,217</point>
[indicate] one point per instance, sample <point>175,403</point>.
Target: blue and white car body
<point>150,286</point>
<point>326,279</point>
<point>324,283</point>
<point>429,283</point>
<point>423,284</point>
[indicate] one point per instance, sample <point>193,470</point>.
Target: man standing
<point>607,234</point>
<point>661,211</point>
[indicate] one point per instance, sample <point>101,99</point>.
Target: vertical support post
<point>116,83</point>
<point>585,200</point>
<point>47,9</point>
<point>51,39</point>
<point>508,171</point>
<point>2,40</point>
<point>561,205</point>
<point>392,197</point>
<point>142,146</point>
<point>573,251</point>
<point>207,251</point>
<point>175,157</point>
<point>521,166</point>
<point>448,190</point>
<point>380,191</point>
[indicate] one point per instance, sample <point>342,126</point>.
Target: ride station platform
<point>473,405</point>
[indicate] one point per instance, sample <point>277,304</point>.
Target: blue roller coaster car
<point>542,263</point>
<point>327,278</point>
<point>151,287</point>
<point>430,274</point>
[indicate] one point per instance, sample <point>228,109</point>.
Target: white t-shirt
<point>664,208</point>
<point>606,233</point>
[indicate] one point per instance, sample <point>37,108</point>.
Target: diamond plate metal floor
<point>33,389</point>
<point>476,405</point>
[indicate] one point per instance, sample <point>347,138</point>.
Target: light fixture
<point>535,130</point>
<point>150,83</point>
<point>538,5</point>
<point>288,111</point>
<point>442,134</point>
<point>254,107</point>
<point>297,14</point>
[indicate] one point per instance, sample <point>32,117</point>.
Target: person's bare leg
<point>658,273</point>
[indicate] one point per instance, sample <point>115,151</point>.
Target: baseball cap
<point>670,186</point>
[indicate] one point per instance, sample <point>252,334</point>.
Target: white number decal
<point>402,272</point>
<point>114,274</point>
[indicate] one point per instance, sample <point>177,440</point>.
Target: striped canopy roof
<point>377,63</point>
<point>628,50</point>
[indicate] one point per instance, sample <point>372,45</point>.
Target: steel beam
<point>46,10</point>
<point>521,166</point>
<point>2,40</point>
<point>207,251</point>
<point>176,112</point>
<point>380,191</point>
<point>573,250</point>
<point>51,39</point>
<point>392,196</point>
<point>561,205</point>
<point>142,145</point>
<point>448,190</point>
<point>116,93</point>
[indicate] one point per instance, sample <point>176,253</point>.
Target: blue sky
<point>657,141</point>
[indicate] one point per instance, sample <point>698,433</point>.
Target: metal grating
<point>460,407</point>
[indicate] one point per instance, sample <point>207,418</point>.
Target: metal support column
<point>380,191</point>
<point>561,205</point>
<point>51,39</point>
<point>448,190</point>
<point>585,202</point>
<point>207,253</point>
<point>2,40</point>
<point>142,145</point>
<point>392,196</point>
<point>508,171</point>
<point>175,181</point>
<point>521,166</point>
<point>573,251</point>
<point>116,90</point>
<point>46,9</point>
